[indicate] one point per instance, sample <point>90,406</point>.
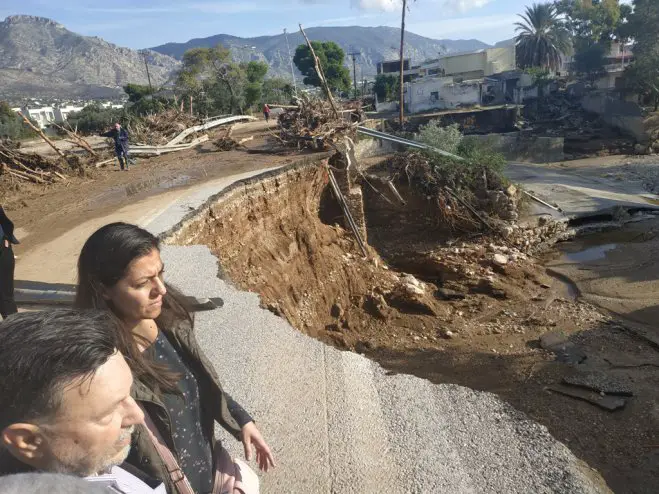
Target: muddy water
<point>617,270</point>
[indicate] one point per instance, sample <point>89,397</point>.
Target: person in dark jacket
<point>120,136</point>
<point>65,400</point>
<point>7,265</point>
<point>120,269</point>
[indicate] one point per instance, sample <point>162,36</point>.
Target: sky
<point>147,23</point>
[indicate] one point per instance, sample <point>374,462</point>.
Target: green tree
<point>136,92</point>
<point>642,75</point>
<point>94,119</point>
<point>386,87</point>
<point>590,60</point>
<point>590,22</point>
<point>12,125</point>
<point>256,71</point>
<point>331,58</point>
<point>541,38</point>
<point>207,73</point>
<point>277,90</point>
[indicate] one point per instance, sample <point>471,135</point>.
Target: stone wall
<point>516,146</point>
<point>623,115</point>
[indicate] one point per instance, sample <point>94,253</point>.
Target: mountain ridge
<point>41,57</point>
<point>375,44</point>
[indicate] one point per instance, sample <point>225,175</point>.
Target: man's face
<point>117,126</point>
<point>91,432</point>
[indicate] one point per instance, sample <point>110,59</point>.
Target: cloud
<point>384,5</point>
<point>395,5</point>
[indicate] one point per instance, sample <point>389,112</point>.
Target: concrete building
<point>471,65</point>
<point>441,93</point>
<point>42,116</point>
<point>62,113</point>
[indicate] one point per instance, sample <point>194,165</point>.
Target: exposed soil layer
<point>446,311</point>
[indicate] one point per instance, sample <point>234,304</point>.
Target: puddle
<point>590,254</point>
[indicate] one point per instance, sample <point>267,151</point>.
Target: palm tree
<point>541,38</point>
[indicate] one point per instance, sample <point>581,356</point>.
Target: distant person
<point>266,112</point>
<point>65,403</point>
<point>120,269</point>
<point>120,136</point>
<point>7,265</point>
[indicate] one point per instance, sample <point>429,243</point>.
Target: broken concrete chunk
<point>500,259</point>
<point>511,191</point>
<point>605,402</point>
<point>600,382</point>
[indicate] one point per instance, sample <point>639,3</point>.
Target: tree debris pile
<point>313,124</point>
<point>224,141</point>
<point>159,129</point>
<point>31,167</point>
<point>465,195</point>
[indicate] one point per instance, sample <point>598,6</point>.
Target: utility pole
<point>402,65</point>
<point>288,47</point>
<point>148,75</point>
<point>354,69</point>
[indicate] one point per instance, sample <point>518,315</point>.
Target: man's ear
<point>24,441</point>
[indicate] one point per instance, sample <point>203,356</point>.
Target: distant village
<point>485,77</point>
<point>489,77</point>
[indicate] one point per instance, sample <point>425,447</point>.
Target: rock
<point>376,305</point>
<point>446,333</point>
<point>413,289</point>
<point>411,280</point>
<point>500,259</point>
<point>411,299</point>
<point>336,311</point>
<point>507,231</point>
<point>511,191</point>
<point>448,294</point>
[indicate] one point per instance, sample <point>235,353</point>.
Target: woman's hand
<point>252,437</point>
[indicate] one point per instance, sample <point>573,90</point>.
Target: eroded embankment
<point>465,316</point>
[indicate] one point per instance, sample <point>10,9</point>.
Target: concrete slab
<point>578,193</point>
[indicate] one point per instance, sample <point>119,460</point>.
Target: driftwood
<point>77,140</point>
<point>43,136</point>
<point>321,75</point>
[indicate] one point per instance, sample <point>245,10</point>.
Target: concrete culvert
<point>338,421</point>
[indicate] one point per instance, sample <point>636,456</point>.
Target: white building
<point>43,116</point>
<point>62,113</point>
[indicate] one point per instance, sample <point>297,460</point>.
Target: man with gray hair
<point>65,404</point>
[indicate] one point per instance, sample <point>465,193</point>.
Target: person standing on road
<point>266,112</point>
<point>7,265</point>
<point>120,269</point>
<point>120,136</point>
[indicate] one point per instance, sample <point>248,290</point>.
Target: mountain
<point>41,58</point>
<point>505,43</point>
<point>374,44</point>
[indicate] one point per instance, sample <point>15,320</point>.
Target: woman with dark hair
<point>7,265</point>
<point>120,269</point>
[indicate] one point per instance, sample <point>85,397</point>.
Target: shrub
<point>445,138</point>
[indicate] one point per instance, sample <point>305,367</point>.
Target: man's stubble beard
<point>82,467</point>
